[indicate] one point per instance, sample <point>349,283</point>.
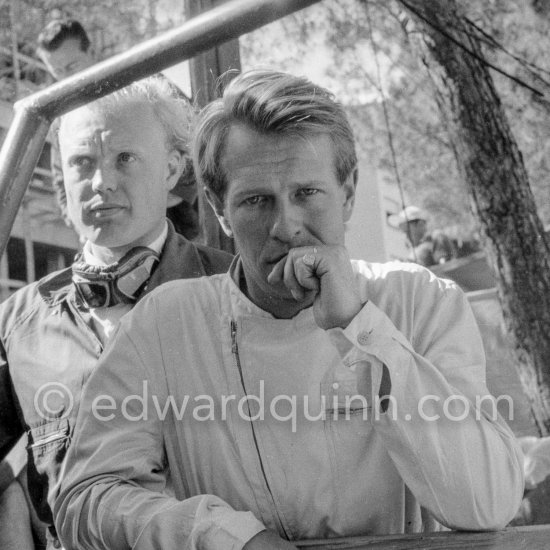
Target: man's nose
<point>103,180</point>
<point>286,223</point>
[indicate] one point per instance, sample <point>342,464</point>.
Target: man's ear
<point>217,206</point>
<point>349,187</point>
<point>174,168</point>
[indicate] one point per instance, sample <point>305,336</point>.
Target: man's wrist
<point>345,322</point>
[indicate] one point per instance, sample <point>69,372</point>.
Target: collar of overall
<point>120,283</point>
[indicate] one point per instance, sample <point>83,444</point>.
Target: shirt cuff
<point>372,338</point>
<point>370,331</point>
<point>233,531</point>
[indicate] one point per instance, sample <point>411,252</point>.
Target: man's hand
<point>324,275</point>
<point>268,540</point>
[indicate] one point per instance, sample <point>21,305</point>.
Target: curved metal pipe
<point>34,113</point>
<point>18,158</point>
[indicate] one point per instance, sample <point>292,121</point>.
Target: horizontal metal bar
<point>34,113</point>
<point>223,23</point>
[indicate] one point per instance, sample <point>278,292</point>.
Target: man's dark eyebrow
<point>254,189</point>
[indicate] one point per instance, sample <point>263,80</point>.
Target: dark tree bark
<point>542,7</point>
<point>498,186</point>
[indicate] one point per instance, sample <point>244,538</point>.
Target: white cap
<point>409,214</point>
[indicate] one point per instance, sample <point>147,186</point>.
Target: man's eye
<point>126,158</point>
<point>82,163</point>
<point>307,192</point>
<point>255,200</point>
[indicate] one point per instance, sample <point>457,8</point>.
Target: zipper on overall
<point>50,439</point>
<point>235,352</point>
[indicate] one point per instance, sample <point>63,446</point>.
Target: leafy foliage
<point>359,49</point>
<point>113,26</point>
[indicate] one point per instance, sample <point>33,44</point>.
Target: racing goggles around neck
<point>118,283</point>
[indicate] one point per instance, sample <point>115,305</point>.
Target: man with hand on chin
<point>121,155</point>
<point>309,395</point>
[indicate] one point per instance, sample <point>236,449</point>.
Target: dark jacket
<point>48,348</point>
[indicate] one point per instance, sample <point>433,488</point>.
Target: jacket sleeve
<point>111,495</point>
<point>11,428</point>
<point>439,422</point>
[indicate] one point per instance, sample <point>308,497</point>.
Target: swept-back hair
<point>273,103</point>
<point>171,107</point>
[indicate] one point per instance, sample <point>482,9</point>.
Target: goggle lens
<point>94,294</point>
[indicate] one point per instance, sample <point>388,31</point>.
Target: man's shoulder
<point>197,289</point>
<point>214,260</point>
<point>399,276</point>
<point>193,292</point>
<point>376,270</point>
<point>182,258</point>
<point>180,301</point>
<point>407,291</point>
<point>44,293</point>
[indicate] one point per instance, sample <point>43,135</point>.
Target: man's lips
<point>104,209</point>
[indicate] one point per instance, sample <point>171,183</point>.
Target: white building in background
<point>395,240</point>
<point>39,242</point>
<point>369,235</point>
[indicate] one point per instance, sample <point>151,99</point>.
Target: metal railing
<point>34,114</point>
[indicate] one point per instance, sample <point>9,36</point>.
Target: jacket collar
<point>56,287</point>
<point>179,259</point>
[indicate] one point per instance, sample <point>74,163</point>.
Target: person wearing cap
<point>309,395</point>
<point>121,155</point>
<point>426,248</point>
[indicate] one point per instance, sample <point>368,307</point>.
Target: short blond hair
<point>273,103</point>
<point>169,104</point>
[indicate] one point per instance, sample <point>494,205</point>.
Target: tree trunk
<point>205,70</point>
<point>541,7</point>
<point>498,186</point>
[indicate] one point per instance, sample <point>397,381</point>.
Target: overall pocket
<point>47,448</point>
